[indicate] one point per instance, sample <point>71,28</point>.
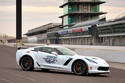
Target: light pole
<point>18,22</point>
<point>18,19</point>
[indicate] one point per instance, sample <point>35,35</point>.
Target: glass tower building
<point>75,11</point>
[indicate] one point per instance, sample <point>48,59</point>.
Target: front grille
<point>103,68</point>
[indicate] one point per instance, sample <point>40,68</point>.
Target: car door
<point>61,59</point>
<point>46,59</point>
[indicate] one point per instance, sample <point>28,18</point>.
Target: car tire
<point>27,63</point>
<point>80,68</point>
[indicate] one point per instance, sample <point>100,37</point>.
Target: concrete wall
<point>114,41</point>
<point>106,41</point>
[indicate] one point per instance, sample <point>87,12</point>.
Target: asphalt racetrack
<point>10,72</point>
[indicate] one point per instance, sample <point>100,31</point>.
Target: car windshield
<point>64,51</point>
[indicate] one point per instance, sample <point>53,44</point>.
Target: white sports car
<point>60,58</point>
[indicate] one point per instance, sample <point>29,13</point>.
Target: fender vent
<point>38,64</point>
<point>67,62</point>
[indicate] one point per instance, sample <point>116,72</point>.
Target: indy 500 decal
<point>50,59</point>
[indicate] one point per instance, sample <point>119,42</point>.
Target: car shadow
<point>55,72</point>
<point>68,73</point>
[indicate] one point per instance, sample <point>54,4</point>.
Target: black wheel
<point>27,63</point>
<point>79,68</point>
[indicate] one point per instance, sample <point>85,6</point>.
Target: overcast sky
<point>39,12</point>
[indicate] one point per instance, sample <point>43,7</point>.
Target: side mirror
<point>54,53</point>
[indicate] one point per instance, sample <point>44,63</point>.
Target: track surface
<point>10,72</point>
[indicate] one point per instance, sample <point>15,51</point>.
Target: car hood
<point>98,60</point>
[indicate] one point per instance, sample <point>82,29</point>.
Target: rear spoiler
<point>19,48</point>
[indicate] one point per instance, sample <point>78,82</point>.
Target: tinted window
<point>46,49</point>
<point>36,49</point>
<point>64,51</point>
<point>58,50</point>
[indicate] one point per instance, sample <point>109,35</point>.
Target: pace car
<point>48,57</point>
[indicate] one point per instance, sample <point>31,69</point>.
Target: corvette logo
<point>50,59</point>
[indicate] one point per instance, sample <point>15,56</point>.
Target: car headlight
<point>90,60</point>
